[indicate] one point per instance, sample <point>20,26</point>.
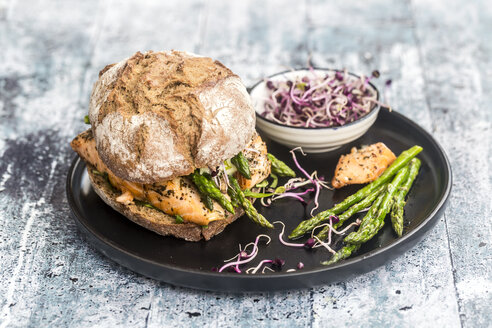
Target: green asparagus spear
<point>241,163</point>
<point>102,174</point>
<point>106,178</point>
<point>402,160</point>
<point>351,211</point>
<point>262,184</point>
<point>207,200</point>
<point>178,219</point>
<point>342,254</point>
<point>252,194</point>
<point>346,251</point>
<point>280,168</point>
<point>234,200</point>
<point>208,188</point>
<point>373,211</point>
<point>399,201</point>
<point>372,227</point>
<point>237,194</point>
<point>145,204</point>
<point>275,180</point>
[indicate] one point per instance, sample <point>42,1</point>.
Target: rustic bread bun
<point>156,220</point>
<point>159,115</point>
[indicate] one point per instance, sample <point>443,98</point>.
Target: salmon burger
<point>172,143</point>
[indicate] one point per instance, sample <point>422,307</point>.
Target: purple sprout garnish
<point>316,100</point>
<point>334,218</point>
<point>315,182</point>
<point>388,82</point>
<point>214,173</point>
<point>281,234</point>
<point>309,243</point>
<point>300,265</point>
<point>278,263</point>
<point>244,259</point>
<point>254,270</point>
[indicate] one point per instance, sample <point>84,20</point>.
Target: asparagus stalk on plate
<point>400,162</point>
<point>399,202</point>
<point>375,224</point>
<point>342,254</point>
<point>366,202</point>
<point>368,219</point>
<point>347,250</point>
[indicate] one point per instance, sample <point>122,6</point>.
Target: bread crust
<point>156,220</point>
<point>159,115</point>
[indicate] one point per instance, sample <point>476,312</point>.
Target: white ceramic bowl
<point>312,140</point>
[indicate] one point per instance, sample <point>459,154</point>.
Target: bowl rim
<point>374,110</point>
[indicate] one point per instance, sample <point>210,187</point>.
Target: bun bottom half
<point>155,220</point>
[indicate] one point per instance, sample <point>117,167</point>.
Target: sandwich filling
<point>177,196</point>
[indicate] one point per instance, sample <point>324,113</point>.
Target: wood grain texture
<point>438,56</point>
<point>460,111</point>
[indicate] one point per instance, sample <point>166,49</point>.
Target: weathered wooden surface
<point>437,55</point>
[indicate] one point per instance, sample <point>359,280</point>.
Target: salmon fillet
<point>176,196</point>
<point>362,165</point>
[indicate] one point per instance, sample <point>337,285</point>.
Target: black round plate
<point>190,264</point>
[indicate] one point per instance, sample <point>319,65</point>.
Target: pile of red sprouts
<point>320,99</point>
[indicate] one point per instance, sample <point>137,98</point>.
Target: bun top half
<point>159,115</point>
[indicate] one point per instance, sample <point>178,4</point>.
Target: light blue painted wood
<point>456,83</point>
<point>437,55</point>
